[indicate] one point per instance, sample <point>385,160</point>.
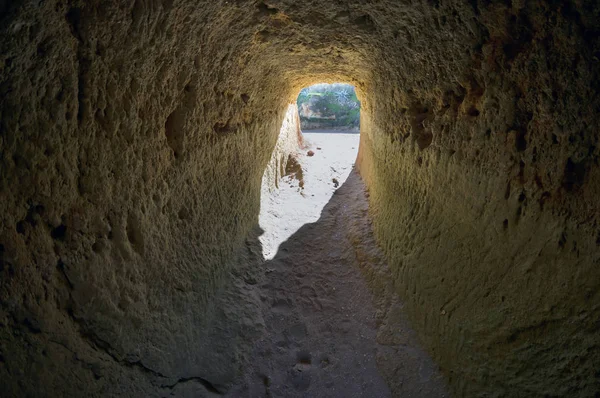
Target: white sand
<point>288,208</point>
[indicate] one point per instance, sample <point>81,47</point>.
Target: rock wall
<point>134,135</point>
<point>131,168</point>
<point>484,182</point>
<point>288,143</point>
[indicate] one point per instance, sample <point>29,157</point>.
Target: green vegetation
<point>329,105</point>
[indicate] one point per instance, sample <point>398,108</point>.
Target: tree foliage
<point>336,104</point>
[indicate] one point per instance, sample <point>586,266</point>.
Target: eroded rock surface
<point>288,143</point>
<point>133,138</point>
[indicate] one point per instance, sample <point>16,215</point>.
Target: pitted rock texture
<point>134,135</point>
<point>484,181</point>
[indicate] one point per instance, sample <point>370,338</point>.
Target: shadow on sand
<point>326,334</point>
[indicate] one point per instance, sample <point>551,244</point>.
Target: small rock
<point>336,183</point>
<point>310,153</point>
<point>266,381</point>
<point>318,148</point>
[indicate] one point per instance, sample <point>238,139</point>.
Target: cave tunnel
<point>134,136</point>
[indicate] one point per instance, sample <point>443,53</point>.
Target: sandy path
<point>322,322</point>
<point>284,211</point>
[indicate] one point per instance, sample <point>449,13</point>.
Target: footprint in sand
<point>300,374</point>
<point>303,358</point>
<point>282,306</point>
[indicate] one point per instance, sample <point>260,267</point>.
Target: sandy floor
<point>284,211</point>
<point>326,335</point>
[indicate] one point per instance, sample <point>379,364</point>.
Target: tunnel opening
<point>314,155</point>
<point>329,107</point>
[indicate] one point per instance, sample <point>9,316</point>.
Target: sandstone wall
<point>288,143</point>
<point>132,158</point>
<point>484,182</point>
<point>134,135</point>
